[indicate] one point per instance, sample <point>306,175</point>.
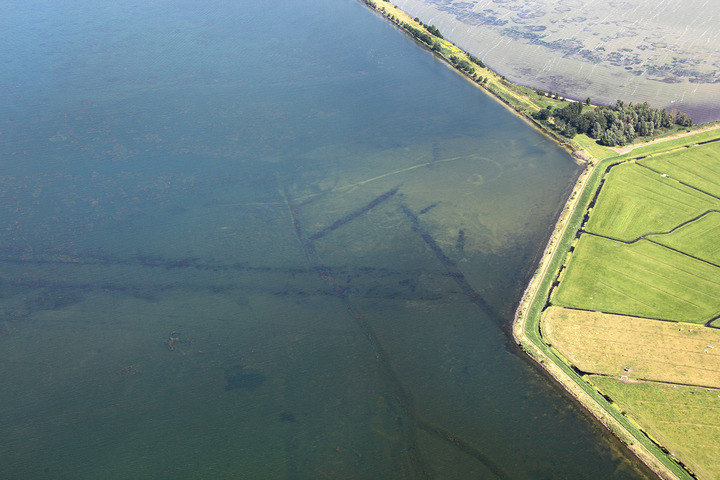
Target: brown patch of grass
<point>653,350</point>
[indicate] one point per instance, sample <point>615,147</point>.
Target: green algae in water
<point>244,380</point>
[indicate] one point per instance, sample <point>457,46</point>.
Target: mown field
<point>686,420</point>
<point>697,166</point>
<point>649,349</point>
<point>651,248</point>
<point>698,238</point>
<point>642,279</point>
<point>636,201</point>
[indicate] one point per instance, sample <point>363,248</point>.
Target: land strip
<point>553,271</point>
<point>630,148</point>
<point>568,229</point>
<point>522,100</point>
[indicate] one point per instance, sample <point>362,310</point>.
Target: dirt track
<point>630,148</point>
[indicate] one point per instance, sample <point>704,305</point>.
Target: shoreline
<point>525,325</point>
<point>526,322</point>
<point>549,364</point>
<point>498,88</point>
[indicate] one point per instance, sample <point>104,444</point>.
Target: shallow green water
<point>267,241</point>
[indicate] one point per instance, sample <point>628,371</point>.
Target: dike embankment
<point>522,101</point>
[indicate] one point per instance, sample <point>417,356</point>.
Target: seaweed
<point>53,299</point>
<point>428,208</point>
<point>465,448</point>
<point>287,417</point>
<point>460,242</point>
<point>408,420</point>
<point>452,269</point>
<point>244,379</point>
<point>354,214</point>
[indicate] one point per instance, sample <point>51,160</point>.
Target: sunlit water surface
<point>267,240</point>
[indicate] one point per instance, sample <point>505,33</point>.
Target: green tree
<point>434,31</point>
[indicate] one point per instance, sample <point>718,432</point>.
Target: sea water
<point>268,240</point>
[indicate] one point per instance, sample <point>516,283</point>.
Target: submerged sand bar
<point>526,326</point>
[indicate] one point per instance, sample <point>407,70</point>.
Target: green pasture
<point>635,201</point>
<point>698,166</point>
<point>669,145</point>
<point>534,312</point>
<point>699,238</point>
<point>686,420</point>
<point>591,146</point>
<point>642,279</point>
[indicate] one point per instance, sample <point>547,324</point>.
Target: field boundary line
<point>536,299</point>
<point>630,148</point>
<point>679,181</point>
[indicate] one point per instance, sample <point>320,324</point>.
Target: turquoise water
<point>259,241</point>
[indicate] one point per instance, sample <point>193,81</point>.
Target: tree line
<point>612,125</point>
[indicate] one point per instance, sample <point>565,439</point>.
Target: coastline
<point>554,366</point>
<point>525,326</point>
<point>513,97</point>
<point>526,323</point>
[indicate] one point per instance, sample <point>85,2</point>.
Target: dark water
<point>267,240</point>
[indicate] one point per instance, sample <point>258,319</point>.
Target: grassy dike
<point>521,100</point>
<point>526,327</point>
<point>524,101</point>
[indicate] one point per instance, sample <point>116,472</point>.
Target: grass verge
<point>686,420</point>
<point>526,327</point>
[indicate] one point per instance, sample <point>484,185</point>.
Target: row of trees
<point>609,125</point>
<point>429,35</point>
<point>612,125</point>
<point>430,28</point>
<point>420,34</point>
<point>462,65</point>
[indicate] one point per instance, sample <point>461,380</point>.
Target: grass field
<point>698,238</point>
<point>591,146</point>
<point>670,145</point>
<point>698,166</point>
<point>642,279</point>
<point>567,251</point>
<point>635,201</point>
<point>651,350</point>
<point>686,420</point>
